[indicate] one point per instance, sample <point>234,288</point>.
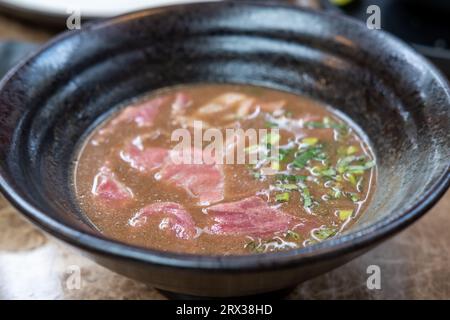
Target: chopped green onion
<point>271,125</point>
<point>292,234</point>
<point>351,179</point>
<point>355,169</point>
<point>329,172</point>
<point>314,125</point>
<point>291,177</point>
<point>282,197</point>
<point>289,186</point>
<point>360,169</point>
<point>325,124</point>
<point>343,165</point>
<point>254,247</point>
<point>345,214</point>
<point>306,195</point>
<point>344,162</point>
<point>369,164</point>
<point>283,153</point>
<point>354,197</point>
<point>336,193</point>
<point>251,245</point>
<point>275,165</point>
<point>310,141</point>
<point>303,158</point>
<point>324,233</point>
<point>351,150</point>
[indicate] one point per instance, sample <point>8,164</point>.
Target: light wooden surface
<point>414,264</point>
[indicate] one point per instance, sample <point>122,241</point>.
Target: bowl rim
<point>352,242</point>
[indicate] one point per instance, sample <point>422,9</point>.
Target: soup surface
<point>224,169</point>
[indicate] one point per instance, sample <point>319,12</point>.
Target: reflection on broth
<point>311,178</point>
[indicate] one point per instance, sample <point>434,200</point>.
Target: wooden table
<point>414,265</point>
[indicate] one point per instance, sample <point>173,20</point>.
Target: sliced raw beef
<point>146,160</point>
<point>272,106</point>
<point>225,102</point>
<point>109,189</point>
<point>202,181</point>
<point>181,103</point>
<point>240,103</point>
<point>249,217</point>
<point>172,216</point>
<point>142,114</point>
<point>180,108</point>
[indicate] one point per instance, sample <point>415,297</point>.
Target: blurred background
<point>414,264</point>
<point>424,24</point>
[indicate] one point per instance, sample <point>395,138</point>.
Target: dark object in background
<point>424,24</point>
<point>399,99</point>
<point>429,4</point>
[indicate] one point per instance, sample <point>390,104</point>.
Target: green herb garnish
<point>271,125</point>
<point>275,165</point>
<point>310,141</point>
<point>254,247</point>
<point>354,197</point>
<point>351,178</point>
<point>291,178</point>
<point>282,197</point>
<point>336,193</point>
<point>324,233</point>
<point>289,186</point>
<point>327,172</point>
<point>351,150</point>
<point>347,165</point>
<point>344,214</point>
<point>284,153</point>
<point>292,234</point>
<point>306,195</point>
<point>302,159</point>
<point>325,124</point>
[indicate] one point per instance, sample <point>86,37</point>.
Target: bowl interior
<point>49,104</point>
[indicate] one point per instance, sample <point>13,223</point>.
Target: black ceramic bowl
<point>50,101</point>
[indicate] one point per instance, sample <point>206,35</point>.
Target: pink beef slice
<point>181,103</point>
<point>249,217</point>
<point>109,189</point>
<point>170,216</point>
<point>203,181</point>
<point>146,160</point>
<point>143,114</point>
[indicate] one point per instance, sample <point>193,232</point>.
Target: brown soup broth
<point>319,184</point>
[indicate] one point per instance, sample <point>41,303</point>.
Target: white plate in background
<point>88,8</point>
